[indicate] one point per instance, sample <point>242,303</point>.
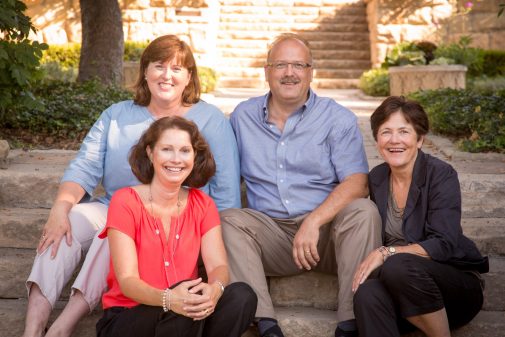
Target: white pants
<point>51,275</point>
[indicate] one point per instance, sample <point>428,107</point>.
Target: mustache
<point>290,80</point>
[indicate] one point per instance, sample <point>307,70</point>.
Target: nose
<point>394,137</point>
<point>175,157</point>
<point>290,69</point>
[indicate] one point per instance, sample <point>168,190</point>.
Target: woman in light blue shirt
<point>168,85</point>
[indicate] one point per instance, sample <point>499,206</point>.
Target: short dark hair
<point>204,167</point>
<point>165,48</point>
<point>411,110</point>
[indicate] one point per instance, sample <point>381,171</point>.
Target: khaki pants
<point>260,246</point>
<point>51,275</point>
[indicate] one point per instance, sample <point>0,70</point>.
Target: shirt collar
<point>306,107</point>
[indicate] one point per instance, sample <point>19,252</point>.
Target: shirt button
<point>157,232</point>
<point>282,180</point>
<point>282,143</point>
<point>287,201</point>
<point>167,263</point>
<point>280,166</point>
<point>177,237</point>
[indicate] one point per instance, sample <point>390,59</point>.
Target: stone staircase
<point>336,29</point>
<point>305,303</point>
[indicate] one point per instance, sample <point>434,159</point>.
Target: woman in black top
<point>427,274</point>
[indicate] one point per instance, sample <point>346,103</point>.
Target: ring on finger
<point>206,311</point>
<point>307,251</point>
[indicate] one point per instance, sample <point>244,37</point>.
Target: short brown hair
<point>288,36</point>
<point>411,110</point>
<point>165,48</point>
<point>204,167</point>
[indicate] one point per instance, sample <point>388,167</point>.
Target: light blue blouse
<point>103,156</point>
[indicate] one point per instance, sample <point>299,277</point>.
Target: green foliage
<point>69,109</point>
<point>375,82</point>
<point>462,53</point>
<point>484,84</point>
<point>19,56</point>
<point>494,62</point>
<point>478,119</point>
<point>133,50</point>
<point>404,53</point>
<point>208,78</point>
<point>66,55</point>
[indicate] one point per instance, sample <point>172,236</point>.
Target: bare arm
<point>305,252</point>
<point>58,224</point>
<point>216,265</point>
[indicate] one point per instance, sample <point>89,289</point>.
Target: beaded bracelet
<point>165,293</point>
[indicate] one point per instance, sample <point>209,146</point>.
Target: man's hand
<point>305,252</point>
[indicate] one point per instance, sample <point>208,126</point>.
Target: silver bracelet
<point>220,285</point>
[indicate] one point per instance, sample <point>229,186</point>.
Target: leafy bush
<point>19,56</point>
<point>484,84</point>
<point>133,50</point>
<point>404,53</point>
<point>208,78</point>
<point>66,55</point>
<point>494,63</point>
<point>69,109</point>
<point>375,82</point>
<point>462,53</point>
<point>478,119</point>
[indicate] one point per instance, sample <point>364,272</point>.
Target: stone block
<point>310,289</point>
<point>130,74</point>
<point>21,227</point>
<point>406,79</point>
<point>4,153</point>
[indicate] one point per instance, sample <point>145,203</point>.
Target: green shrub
<point>462,53</point>
<point>484,84</point>
<point>494,63</point>
<point>477,119</point>
<point>133,50</point>
<point>404,53</point>
<point>375,82</point>
<point>66,55</point>
<point>19,56</point>
<point>69,109</point>
<point>208,78</point>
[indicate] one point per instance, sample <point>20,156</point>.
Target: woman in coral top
<point>156,233</point>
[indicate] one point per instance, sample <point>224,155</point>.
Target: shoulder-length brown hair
<point>204,167</point>
<point>165,48</point>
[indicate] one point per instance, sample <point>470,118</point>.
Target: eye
<point>298,65</point>
<point>280,65</point>
<point>177,69</point>
<point>404,132</point>
<point>158,67</point>
<point>385,132</point>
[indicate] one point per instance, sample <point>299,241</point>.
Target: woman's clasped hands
<point>195,299</point>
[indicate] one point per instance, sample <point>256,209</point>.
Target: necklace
<point>174,245</point>
<point>395,210</point>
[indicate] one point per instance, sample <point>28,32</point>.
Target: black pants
<point>232,316</point>
<point>409,285</point>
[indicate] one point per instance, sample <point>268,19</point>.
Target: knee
<point>241,295</point>
<point>361,214</point>
<point>368,295</point>
<point>396,271</point>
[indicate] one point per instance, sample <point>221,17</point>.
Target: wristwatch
<point>391,250</point>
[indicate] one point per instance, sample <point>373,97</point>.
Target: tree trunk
<point>102,41</point>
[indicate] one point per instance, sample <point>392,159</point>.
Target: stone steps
<point>337,30</point>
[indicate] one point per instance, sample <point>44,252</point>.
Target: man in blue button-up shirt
<point>304,165</point>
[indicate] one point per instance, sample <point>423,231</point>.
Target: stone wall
<point>393,21</point>
<point>59,22</point>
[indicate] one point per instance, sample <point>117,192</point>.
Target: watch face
<point>392,250</point>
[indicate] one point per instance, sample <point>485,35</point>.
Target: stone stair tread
<point>311,36</point>
<point>272,18</point>
<point>316,45</point>
<point>295,322</point>
<point>292,26</point>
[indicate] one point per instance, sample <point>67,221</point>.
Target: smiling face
<point>289,85</point>
<point>173,156</point>
<point>398,142</point>
<point>166,81</point>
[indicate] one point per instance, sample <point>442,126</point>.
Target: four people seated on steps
<point>304,166</point>
<point>303,162</point>
<point>168,85</point>
<point>156,232</point>
<point>427,274</point>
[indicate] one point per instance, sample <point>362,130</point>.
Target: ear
<point>149,153</point>
<point>420,142</point>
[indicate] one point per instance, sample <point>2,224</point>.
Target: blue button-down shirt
<point>290,173</point>
<point>103,156</point>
